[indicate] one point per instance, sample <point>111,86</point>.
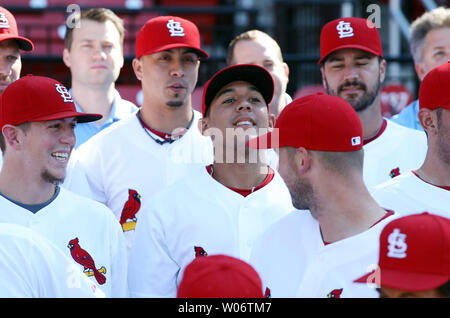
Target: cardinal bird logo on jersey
<point>394,172</point>
<point>82,257</point>
<point>199,251</point>
<point>267,293</point>
<point>336,293</point>
<point>130,208</point>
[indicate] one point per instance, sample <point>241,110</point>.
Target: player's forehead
<point>234,87</point>
<point>259,49</point>
<point>179,51</point>
<point>348,54</point>
<point>9,45</point>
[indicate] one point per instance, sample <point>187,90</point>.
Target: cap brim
<point>266,141</point>
<point>409,281</point>
<point>81,117</point>
<point>202,54</point>
<point>349,46</point>
<point>23,43</point>
<point>253,74</point>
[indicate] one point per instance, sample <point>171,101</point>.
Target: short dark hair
<point>100,15</point>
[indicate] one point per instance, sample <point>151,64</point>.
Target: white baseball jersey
<point>125,167</point>
<point>408,194</point>
<point>194,217</point>
<point>397,150</point>
<point>82,229</point>
<point>32,267</point>
<point>293,260</point>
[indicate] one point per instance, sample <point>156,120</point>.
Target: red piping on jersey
<point>442,187</point>
<point>246,192</point>
<point>158,133</point>
<point>382,129</point>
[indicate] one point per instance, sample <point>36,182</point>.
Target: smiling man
<point>353,68</point>
<point>161,143</point>
<point>94,54</point>
<point>220,208</point>
<point>37,137</point>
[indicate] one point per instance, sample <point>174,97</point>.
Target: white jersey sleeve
<point>31,266</point>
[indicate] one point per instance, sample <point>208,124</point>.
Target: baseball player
<point>37,136</point>
<point>353,68</point>
<point>317,253</point>
<point>126,164</point>
<point>428,187</point>
<point>414,258</point>
<point>220,208</point>
<point>10,45</point>
<point>32,267</point>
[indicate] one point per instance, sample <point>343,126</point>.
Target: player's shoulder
<point>108,137</point>
<point>394,128</point>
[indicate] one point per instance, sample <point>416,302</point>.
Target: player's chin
<point>53,176</point>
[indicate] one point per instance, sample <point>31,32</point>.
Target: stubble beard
<point>47,176</point>
<point>359,104</point>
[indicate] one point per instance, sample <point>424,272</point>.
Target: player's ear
<point>420,70</point>
<point>302,159</point>
<point>322,71</point>
<point>272,120</point>
<point>13,136</point>
<point>137,67</point>
<point>382,70</point>
<point>428,120</point>
<point>66,57</point>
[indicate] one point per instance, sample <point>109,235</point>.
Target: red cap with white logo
<point>317,122</point>
<point>414,253</point>
<point>37,98</point>
<point>168,32</point>
<point>354,33</point>
<point>8,30</point>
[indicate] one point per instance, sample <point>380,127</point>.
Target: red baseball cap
<point>254,74</point>
<point>168,32</point>
<point>8,30</point>
<point>220,276</point>
<point>36,98</point>
<point>355,33</point>
<point>414,253</point>
<point>431,92</point>
<point>317,122</point>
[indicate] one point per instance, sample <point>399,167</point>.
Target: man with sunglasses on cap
<point>428,187</point>
<point>414,258</point>
<point>129,162</point>
<point>219,208</point>
<point>353,68</point>
<point>37,122</point>
<point>317,253</point>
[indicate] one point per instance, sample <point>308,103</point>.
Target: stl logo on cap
<point>397,245</point>
<point>175,28</point>
<point>344,29</point>
<point>64,93</point>
<point>4,23</point>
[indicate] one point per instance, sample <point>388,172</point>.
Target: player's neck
<point>94,99</point>
<point>22,188</point>
<point>371,121</point>
<point>345,210</point>
<point>434,171</point>
<point>240,175</point>
<point>167,119</point>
